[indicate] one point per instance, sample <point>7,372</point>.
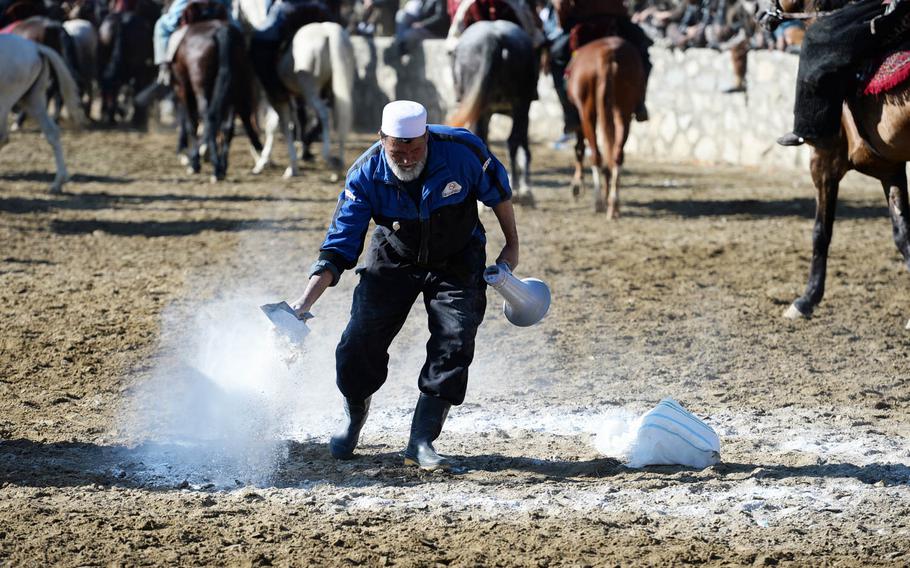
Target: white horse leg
<point>36,105</point>
<point>284,120</point>
<point>271,125</point>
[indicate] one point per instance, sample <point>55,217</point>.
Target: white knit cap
<point>404,119</point>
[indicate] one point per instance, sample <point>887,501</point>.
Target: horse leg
<point>284,118</point>
<point>589,129</point>
<point>191,125</point>
<point>36,105</point>
<point>578,181</point>
<point>271,125</point>
<point>616,134</point>
<point>827,171</point>
<point>899,208</point>
<point>210,135</point>
<point>6,107</point>
<point>311,93</point>
<point>519,153</point>
<point>227,134</point>
<point>182,136</point>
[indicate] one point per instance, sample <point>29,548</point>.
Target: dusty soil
<point>682,297</point>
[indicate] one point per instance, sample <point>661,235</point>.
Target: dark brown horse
<point>125,56</point>
<point>874,140</point>
<point>605,81</point>
<point>213,79</point>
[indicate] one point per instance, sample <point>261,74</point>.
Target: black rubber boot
<point>345,440</point>
<point>429,417</point>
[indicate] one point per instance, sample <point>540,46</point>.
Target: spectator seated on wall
<point>374,18</point>
<point>420,20</point>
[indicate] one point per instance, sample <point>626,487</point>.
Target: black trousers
<point>834,48</point>
<point>389,286</point>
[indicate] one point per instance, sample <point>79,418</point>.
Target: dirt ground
<point>682,297</point>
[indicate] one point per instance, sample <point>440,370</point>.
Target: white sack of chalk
<point>668,434</point>
<point>671,435</point>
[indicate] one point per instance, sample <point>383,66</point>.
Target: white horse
<point>25,69</point>
<point>321,59</point>
<point>85,39</point>
<point>327,58</point>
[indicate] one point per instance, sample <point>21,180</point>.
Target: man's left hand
<point>508,256</point>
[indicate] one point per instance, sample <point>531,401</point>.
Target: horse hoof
<point>57,189</point>
<point>289,173</point>
<point>184,160</point>
<point>599,207</point>
<point>576,191</point>
<point>612,214</point>
<point>214,179</point>
<point>526,199</point>
<point>907,327</point>
<point>793,313</point>
<point>190,170</point>
<point>334,177</point>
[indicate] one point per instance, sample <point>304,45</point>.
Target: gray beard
<point>409,174</point>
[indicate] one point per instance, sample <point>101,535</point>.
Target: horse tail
<point>605,100</point>
<point>341,55</point>
<point>221,92</point>
<point>67,84</point>
<point>472,105</point>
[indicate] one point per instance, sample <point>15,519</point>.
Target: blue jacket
<point>460,171</point>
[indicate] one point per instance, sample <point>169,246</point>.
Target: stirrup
<point>791,139</point>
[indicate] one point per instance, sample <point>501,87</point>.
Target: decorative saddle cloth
<point>888,73</point>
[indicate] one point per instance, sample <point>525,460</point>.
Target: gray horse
<point>495,68</point>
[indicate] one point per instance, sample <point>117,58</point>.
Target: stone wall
<point>691,119</point>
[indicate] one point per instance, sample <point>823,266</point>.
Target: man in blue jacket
<point>420,185</point>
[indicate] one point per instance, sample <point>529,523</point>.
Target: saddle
<point>886,73</point>
<point>203,11</point>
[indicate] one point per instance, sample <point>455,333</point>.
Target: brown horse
<point>605,81</point>
<point>213,79</point>
<point>874,140</point>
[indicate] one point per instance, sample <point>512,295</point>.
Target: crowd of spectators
<point>725,25</point>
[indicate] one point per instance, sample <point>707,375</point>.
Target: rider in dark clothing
<point>833,48</point>
<point>285,18</point>
<point>589,20</point>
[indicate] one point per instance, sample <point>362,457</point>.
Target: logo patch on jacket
<point>348,194</point>
<point>451,188</point>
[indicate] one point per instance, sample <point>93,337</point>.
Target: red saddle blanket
<point>890,73</point>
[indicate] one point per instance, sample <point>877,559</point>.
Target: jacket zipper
<point>423,254</point>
